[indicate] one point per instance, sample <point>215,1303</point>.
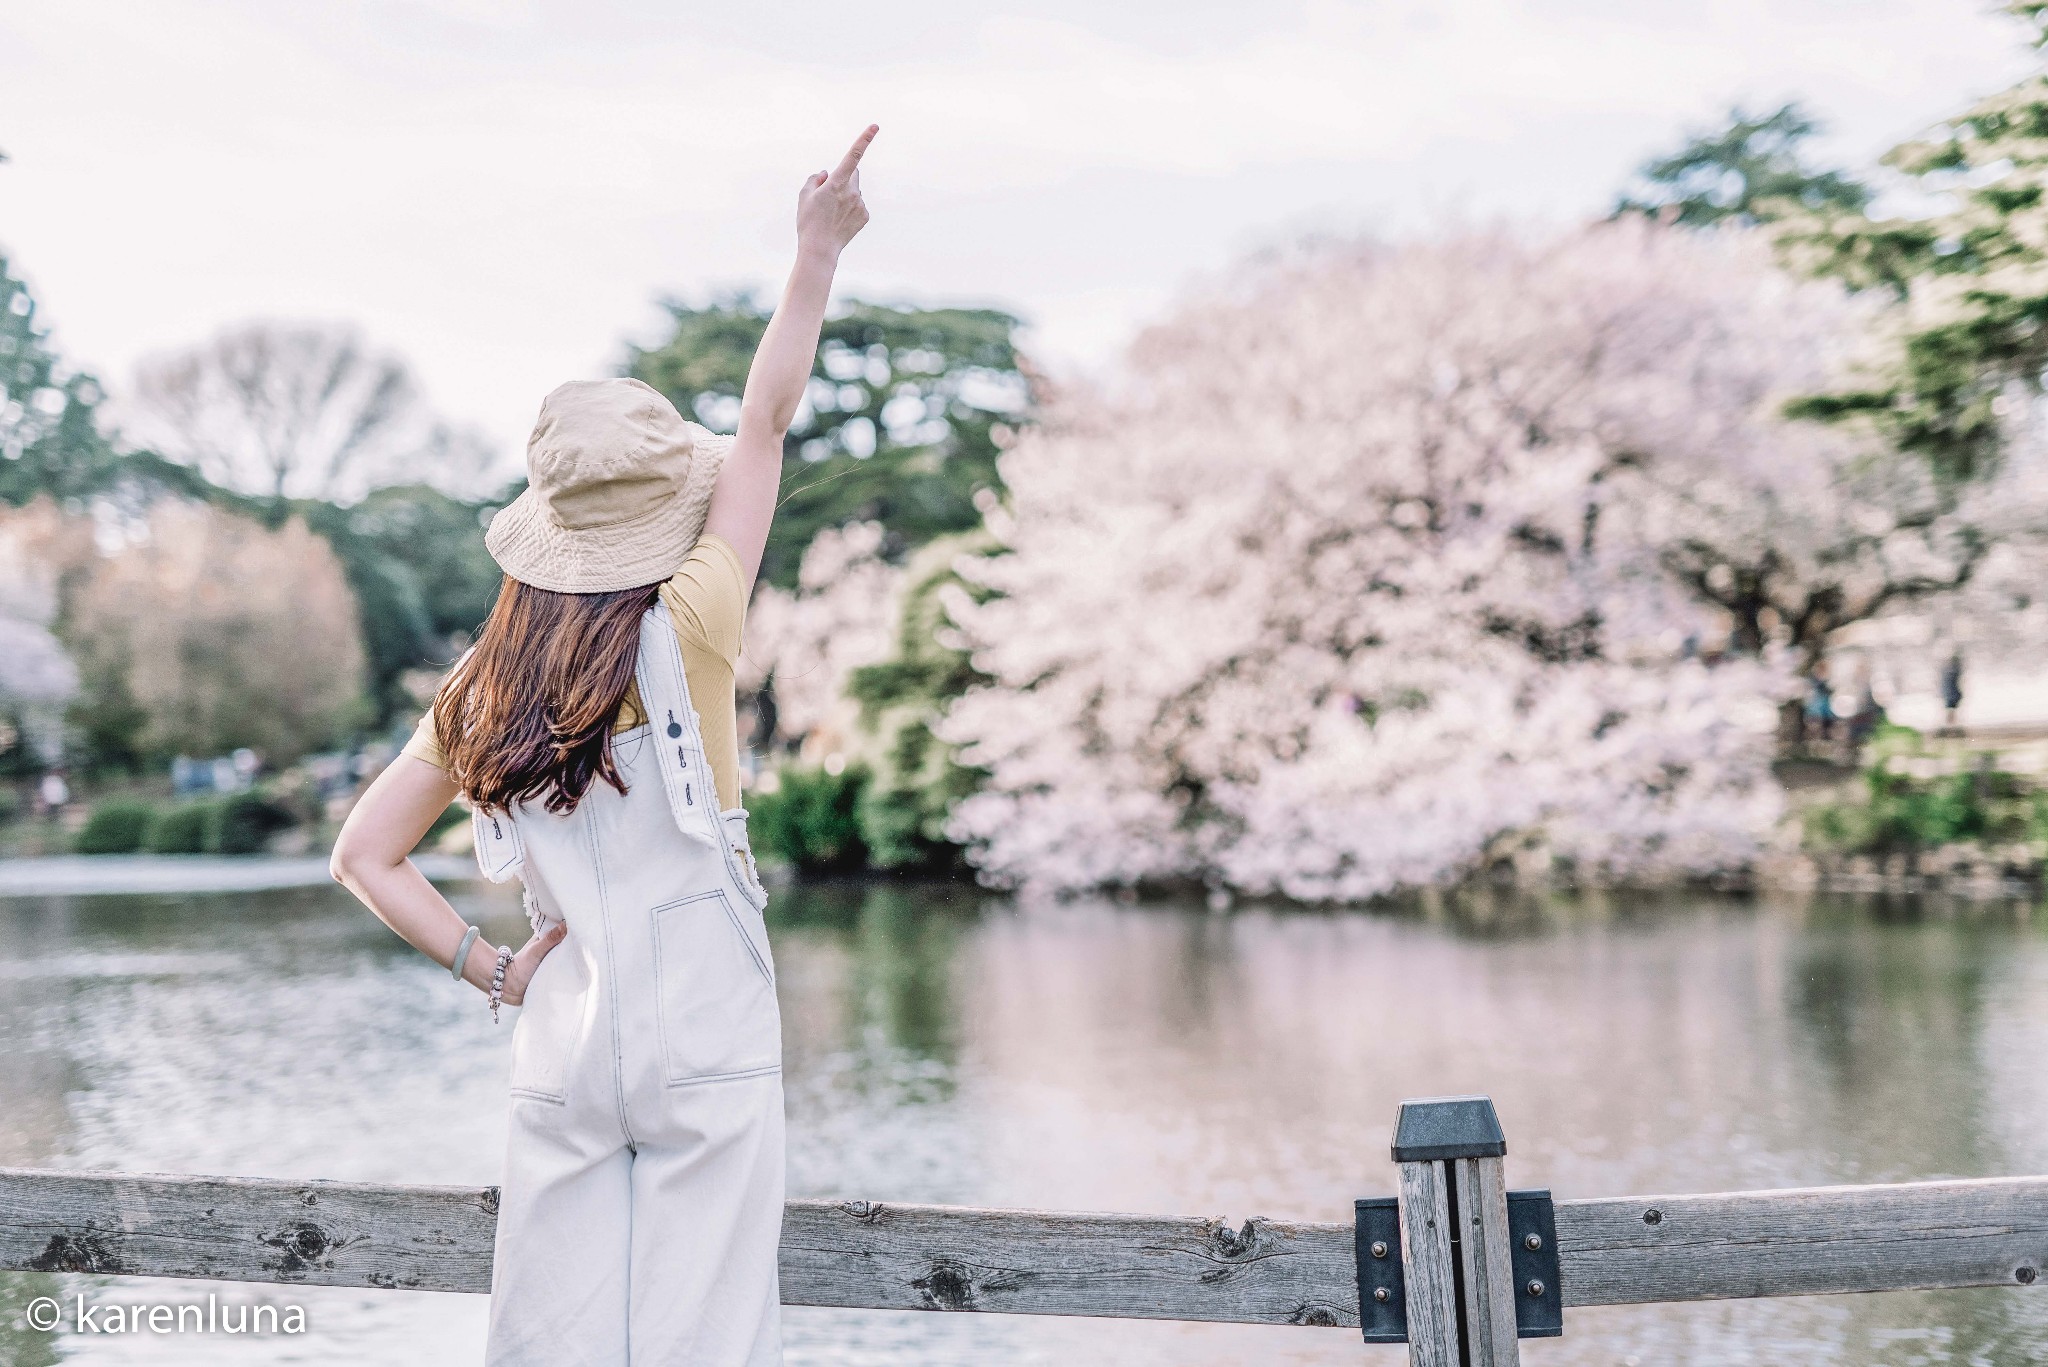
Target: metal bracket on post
<point>1382,1296</point>
<point>1539,1296</point>
<point>1455,1244</point>
<point>1456,1266</point>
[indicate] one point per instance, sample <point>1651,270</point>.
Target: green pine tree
<point>908,410</point>
<point>1753,171</point>
<point>1969,277</point>
<point>50,442</point>
<point>914,776</point>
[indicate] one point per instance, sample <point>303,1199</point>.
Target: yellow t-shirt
<point>707,601</point>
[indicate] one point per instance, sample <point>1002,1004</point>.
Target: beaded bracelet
<point>498,980</point>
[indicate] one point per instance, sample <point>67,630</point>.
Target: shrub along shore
<point>1914,816</point>
<point>239,823</point>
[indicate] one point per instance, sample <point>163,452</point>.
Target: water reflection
<point>21,1346</point>
<point>1881,1020</point>
<point>902,941</point>
<point>946,1046</point>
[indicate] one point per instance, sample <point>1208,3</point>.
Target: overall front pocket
<point>715,995</point>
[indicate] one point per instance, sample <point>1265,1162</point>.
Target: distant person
<point>188,776</point>
<point>1869,713</point>
<point>53,793</point>
<point>593,730</point>
<point>1820,702</point>
<point>1952,688</point>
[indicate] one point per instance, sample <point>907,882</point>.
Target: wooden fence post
<point>1455,1250</point>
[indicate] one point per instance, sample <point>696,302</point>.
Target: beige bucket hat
<point>619,484</point>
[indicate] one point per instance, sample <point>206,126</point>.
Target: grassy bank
<point>1923,811</point>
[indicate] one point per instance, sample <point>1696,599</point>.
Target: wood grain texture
<point>868,1254</point>
<point>901,1257</point>
<point>247,1229</point>
<point>1490,1334</point>
<point>854,1253</point>
<point>1426,1255</point>
<point>1804,1242</point>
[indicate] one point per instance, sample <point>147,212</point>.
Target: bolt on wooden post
<point>1455,1249</point>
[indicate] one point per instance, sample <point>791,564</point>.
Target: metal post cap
<point>1448,1127</point>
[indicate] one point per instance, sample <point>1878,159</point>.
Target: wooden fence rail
<point>880,1255</point>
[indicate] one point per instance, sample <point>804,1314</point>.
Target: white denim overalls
<point>642,1200</point>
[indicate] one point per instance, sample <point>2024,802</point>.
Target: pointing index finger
<point>849,162</point>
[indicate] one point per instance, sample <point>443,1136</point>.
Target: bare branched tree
<point>297,410</point>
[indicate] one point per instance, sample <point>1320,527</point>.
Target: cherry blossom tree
<point>1389,565</point>
<point>863,662</point>
<point>842,615</point>
<point>221,632</point>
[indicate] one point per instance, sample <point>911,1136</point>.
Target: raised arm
<point>829,212</point>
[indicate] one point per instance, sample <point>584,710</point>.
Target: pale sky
<point>499,189</point>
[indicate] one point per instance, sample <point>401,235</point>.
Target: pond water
<point>943,1045</point>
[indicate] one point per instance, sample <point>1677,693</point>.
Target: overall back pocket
<point>714,991</point>
<point>549,1025</point>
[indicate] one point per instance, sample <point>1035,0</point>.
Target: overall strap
<point>665,696</point>
<point>499,851</point>
<point>501,854</point>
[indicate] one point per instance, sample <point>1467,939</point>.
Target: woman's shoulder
<point>707,597</point>
<point>425,743</point>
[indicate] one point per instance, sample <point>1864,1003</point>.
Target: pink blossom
<point>1358,582</point>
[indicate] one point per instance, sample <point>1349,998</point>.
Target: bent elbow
<point>348,862</point>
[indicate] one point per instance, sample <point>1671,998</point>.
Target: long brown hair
<point>529,713</point>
